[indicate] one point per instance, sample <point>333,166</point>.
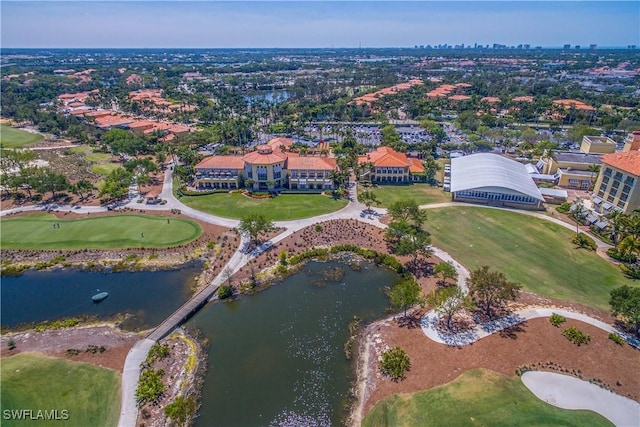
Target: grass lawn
<point>13,138</point>
<point>90,394</point>
<point>105,168</point>
<point>81,149</point>
<point>421,193</point>
<point>105,232</point>
<point>537,253</point>
<point>283,207</point>
<point>98,157</point>
<point>477,397</point>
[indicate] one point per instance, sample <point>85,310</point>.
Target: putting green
<point>40,231</point>
<point>14,138</point>
<point>478,397</point>
<point>78,394</point>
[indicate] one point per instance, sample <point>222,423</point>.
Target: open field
<point>283,207</point>
<point>105,232</point>
<point>89,394</point>
<point>537,253</point>
<point>104,168</point>
<point>14,138</point>
<point>477,397</point>
<point>421,193</point>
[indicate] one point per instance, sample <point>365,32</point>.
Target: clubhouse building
<point>271,165</point>
<point>491,179</point>
<point>274,165</point>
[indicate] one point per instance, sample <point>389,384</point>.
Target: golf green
<point>45,231</point>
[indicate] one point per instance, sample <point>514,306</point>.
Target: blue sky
<point>232,24</point>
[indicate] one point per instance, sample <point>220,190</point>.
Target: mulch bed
<point>534,343</point>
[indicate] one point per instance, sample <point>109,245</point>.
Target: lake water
<point>277,357</point>
<point>150,297</point>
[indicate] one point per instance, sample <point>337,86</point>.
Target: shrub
<point>283,258</point>
<point>557,320</point>
<point>631,271</point>
<point>225,291</point>
<point>11,344</point>
<point>576,336</point>
<point>584,241</point>
<point>395,363</point>
<point>180,409</point>
<point>318,228</point>
<point>616,338</point>
<point>157,352</point>
<point>628,258</point>
<point>564,207</point>
<point>150,386</point>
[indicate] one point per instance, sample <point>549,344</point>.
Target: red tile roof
<point>256,157</point>
<point>311,163</point>
<point>221,162</point>
<point>415,165</point>
<point>578,105</point>
<point>385,156</point>
<point>628,162</point>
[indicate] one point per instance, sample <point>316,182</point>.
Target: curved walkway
<point>567,392</point>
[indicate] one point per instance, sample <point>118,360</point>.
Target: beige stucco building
<point>618,184</point>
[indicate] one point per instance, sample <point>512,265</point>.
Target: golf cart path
<point>567,392</point>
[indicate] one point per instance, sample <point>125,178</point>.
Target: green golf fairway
<point>105,232</point>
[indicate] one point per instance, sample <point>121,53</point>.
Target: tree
<point>46,180</point>
<point>577,132</point>
<point>181,410</point>
<point>416,243</point>
<point>409,211</point>
<point>405,293</point>
<point>578,214</point>
<point>116,184</point>
<point>390,138</point>
<point>394,363</point>
<point>431,167</point>
<point>449,301</point>
<point>368,197</point>
<point>253,225</point>
<point>82,188</point>
<point>446,270</point>
<point>491,289</point>
<point>625,302</point>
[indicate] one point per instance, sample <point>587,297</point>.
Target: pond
<point>149,297</point>
<point>277,357</point>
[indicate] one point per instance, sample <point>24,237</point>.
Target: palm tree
<point>578,214</point>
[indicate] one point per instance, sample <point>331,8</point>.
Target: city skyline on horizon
<point>309,24</point>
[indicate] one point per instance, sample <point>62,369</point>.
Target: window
<point>626,189</point>
<point>618,176</point>
<point>610,199</point>
<point>615,184</point>
<point>605,180</point>
<point>601,193</point>
<point>607,172</point>
<point>613,191</point>
<point>624,197</point>
<point>629,180</point>
<point>620,204</point>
